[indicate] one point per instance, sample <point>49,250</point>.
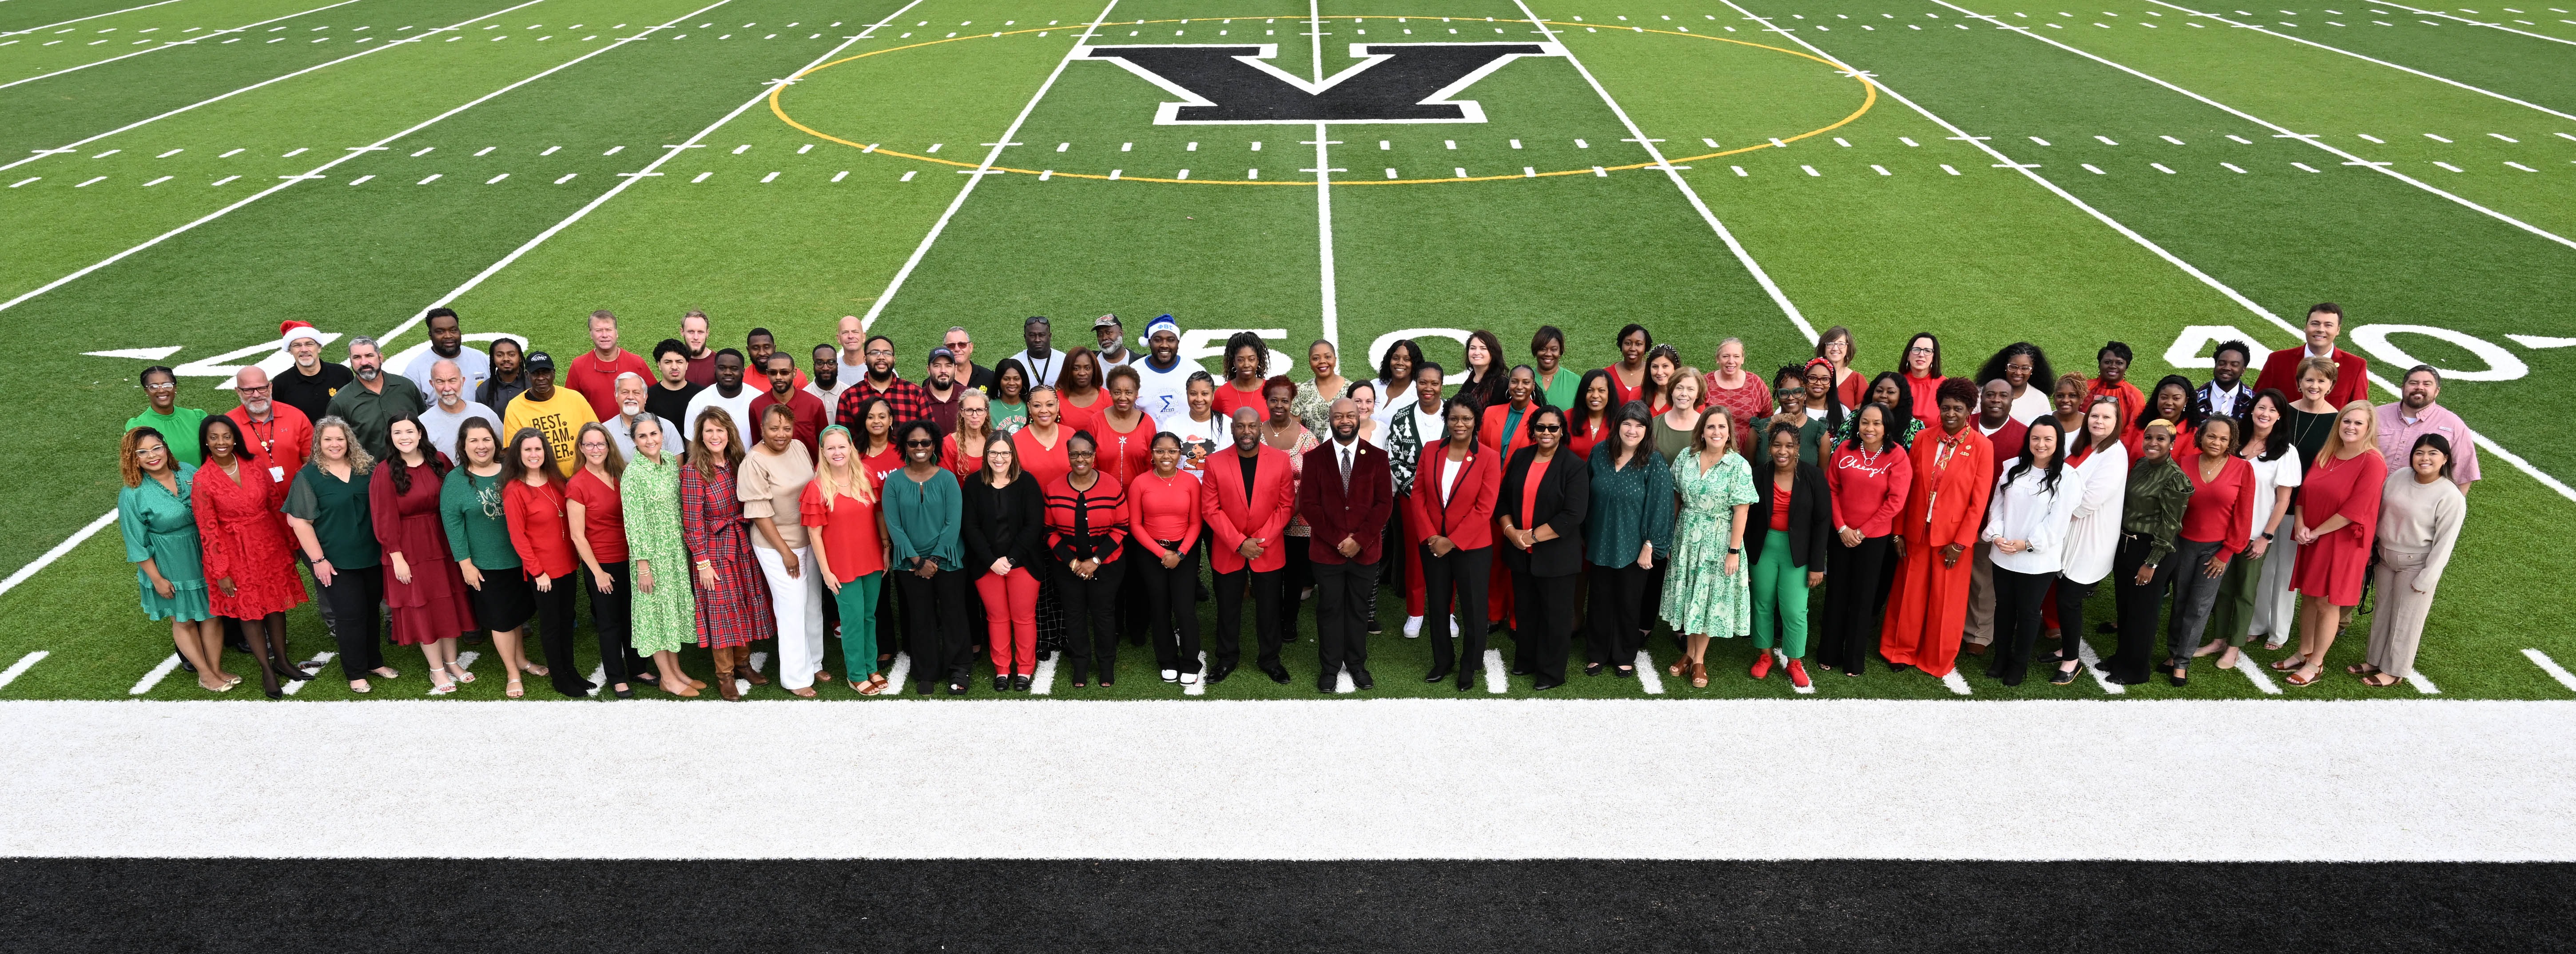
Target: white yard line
<point>296,686</point>
<point>2423,685</point>
<point>1653,681</point>
<point>2093,664</point>
<point>625,178</point>
<point>2551,667</point>
<point>976,175</point>
<point>153,678</point>
<point>896,673</point>
<point>2253,670</point>
<point>1742,256</point>
<point>1498,678</point>
<point>104,521</point>
<point>164,46</point>
<point>1783,659</point>
<point>2495,26</point>
<point>2439,79</point>
<point>30,660</point>
<point>347,154</point>
<point>2282,132</point>
<point>2006,162</point>
<point>1957,684</point>
<point>1042,682</point>
<point>93,16</point>
<point>1330,284</point>
<point>598,679</point>
<point>216,99</point>
<point>1198,688</point>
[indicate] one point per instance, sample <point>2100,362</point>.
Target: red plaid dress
<point>736,610</point>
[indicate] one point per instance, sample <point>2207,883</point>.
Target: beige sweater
<point>2421,518</point>
<point>771,486</point>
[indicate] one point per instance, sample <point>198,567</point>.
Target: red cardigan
<point>1467,518</point>
<point>1086,524</point>
<point>1361,512</point>
<point>1235,516</point>
<point>538,529</point>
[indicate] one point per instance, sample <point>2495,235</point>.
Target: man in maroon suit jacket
<point>1246,496</point>
<point>1347,495</point>
<point>2352,374</point>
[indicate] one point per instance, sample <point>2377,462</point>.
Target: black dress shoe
<point>1544,685</point>
<point>1363,680</point>
<point>1464,682</point>
<point>1372,627</point>
<point>2106,627</point>
<point>1437,675</point>
<point>1520,670</point>
<point>1994,672</point>
<point>1001,683</point>
<point>1218,674</point>
<point>1019,683</point>
<point>1325,688</point>
<point>2063,676</point>
<point>186,666</point>
<point>1898,667</point>
<point>626,693</point>
<point>2014,678</point>
<point>1591,669</point>
<point>1279,675</point>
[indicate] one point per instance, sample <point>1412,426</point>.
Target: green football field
<point>180,176</point>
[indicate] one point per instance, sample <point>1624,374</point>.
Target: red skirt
<point>2332,569</point>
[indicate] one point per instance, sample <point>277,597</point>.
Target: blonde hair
<point>978,435</point>
<point>2369,430</point>
<point>859,488</point>
<point>359,461</point>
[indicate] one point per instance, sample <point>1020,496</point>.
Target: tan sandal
<point>1699,675</point>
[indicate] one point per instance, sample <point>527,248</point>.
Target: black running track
<point>294,906</point>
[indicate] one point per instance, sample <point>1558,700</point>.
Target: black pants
<point>1650,604</point>
<point>2139,606</point>
<point>1131,593</point>
<point>1169,613</point>
<point>352,598</point>
<point>1543,617</point>
<point>1090,619</point>
<point>1461,575</point>
<point>2017,600</point>
<point>1299,574</point>
<point>612,616</point>
<point>1856,575</point>
<point>1345,601</point>
<point>2070,616</point>
<point>934,625</point>
<point>555,613</point>
<point>1616,629</point>
<point>1265,617</point>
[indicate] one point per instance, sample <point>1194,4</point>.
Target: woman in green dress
<point>1708,593</point>
<point>665,613</point>
<point>161,541</point>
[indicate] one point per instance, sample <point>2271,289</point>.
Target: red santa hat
<point>290,330</point>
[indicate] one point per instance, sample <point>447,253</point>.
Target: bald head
<point>252,384</point>
<point>449,381</point>
<point>1247,429</point>
<point>853,336</point>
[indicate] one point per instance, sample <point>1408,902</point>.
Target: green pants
<point>2232,617</point>
<point>858,601</point>
<point>1779,597</point>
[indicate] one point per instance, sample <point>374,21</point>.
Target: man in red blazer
<point>1246,496</point>
<point>1347,496</point>
<point>2352,374</point>
<point>1457,549</point>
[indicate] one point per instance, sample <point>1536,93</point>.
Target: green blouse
<point>922,517</point>
<point>2158,490</point>
<point>1630,508</point>
<point>160,527</point>
<point>470,508</point>
<point>340,515</point>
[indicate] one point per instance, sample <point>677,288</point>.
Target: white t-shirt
<point>1164,395</point>
<point>2271,475</point>
<point>1199,438</point>
<point>476,365</point>
<point>849,372</point>
<point>738,408</point>
<point>440,426</point>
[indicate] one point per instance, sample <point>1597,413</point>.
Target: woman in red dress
<point>733,597</point>
<point>1927,611</point>
<point>1126,434</point>
<point>423,585</point>
<point>250,572</point>
<point>2338,517</point>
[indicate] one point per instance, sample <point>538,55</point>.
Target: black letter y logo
<point>1396,82</point>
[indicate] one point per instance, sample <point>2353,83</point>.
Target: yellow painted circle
<point>1869,97</point>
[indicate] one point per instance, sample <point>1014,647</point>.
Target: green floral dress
<point>1700,597</point>
<point>665,619</point>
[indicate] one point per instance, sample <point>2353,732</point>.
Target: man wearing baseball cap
<point>559,412</point>
<point>1113,342</point>
<point>945,392</point>
<point>1041,358</point>
<point>307,384</point>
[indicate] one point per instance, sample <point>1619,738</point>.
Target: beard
<point>630,410</point>
<point>365,372</point>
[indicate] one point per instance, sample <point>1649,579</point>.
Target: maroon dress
<point>735,611</point>
<point>434,605</point>
<point>2333,567</point>
<point>245,535</point>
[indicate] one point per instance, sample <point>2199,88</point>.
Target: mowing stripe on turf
<point>1741,255</point>
<point>628,179</point>
<point>75,145</point>
<point>2259,28</point>
<point>164,46</point>
<point>2492,26</point>
<point>981,170</point>
<point>93,16</point>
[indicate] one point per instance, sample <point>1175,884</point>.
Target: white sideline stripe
<point>2317,141</point>
<point>2093,664</point>
<point>758,660</point>
<point>2294,331</point>
<point>1329,290</point>
<point>1782,658</point>
<point>30,660</point>
<point>245,89</point>
<point>1761,277</point>
<point>2253,670</point>
<point>1198,688</point>
<point>598,679</point>
<point>465,661</point>
<point>2537,658</point>
<point>94,16</point>
<point>2362,799</point>
<point>164,46</point>
<point>1042,682</point>
<point>153,678</point>
<point>1957,684</point>
<point>295,686</point>
<point>2439,79</point>
<point>896,673</point>
<point>981,170</point>
<point>76,539</point>
<point>2497,26</point>
<point>345,156</point>
<point>1647,676</point>
<point>1342,684</point>
<point>1498,680</point>
<point>2423,685</point>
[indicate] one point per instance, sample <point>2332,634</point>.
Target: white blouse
<point>2027,509</point>
<point>2269,476</point>
<point>2093,533</point>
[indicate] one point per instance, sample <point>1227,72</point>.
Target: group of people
<point>1062,502</point>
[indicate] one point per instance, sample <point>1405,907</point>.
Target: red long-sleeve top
<point>603,517</point>
<point>1165,508</point>
<point>1869,493</point>
<point>2217,510</point>
<point>538,529</point>
<point>1086,524</point>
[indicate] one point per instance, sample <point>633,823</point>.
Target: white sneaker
<point>1189,679</point>
<point>1171,675</point>
<point>1412,627</point>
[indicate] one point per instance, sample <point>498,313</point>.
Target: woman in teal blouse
<point>1626,535</point>
<point>922,506</point>
<point>161,541</point>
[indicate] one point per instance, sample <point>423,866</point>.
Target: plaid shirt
<point>910,402</point>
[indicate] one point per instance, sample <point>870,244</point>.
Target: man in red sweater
<point>1347,496</point>
<point>2352,374</point>
<point>593,374</point>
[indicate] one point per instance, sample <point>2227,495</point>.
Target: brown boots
<point>725,659</point>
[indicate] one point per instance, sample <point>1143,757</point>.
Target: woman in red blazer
<point>1927,610</point>
<point>1451,510</point>
<point>1249,523</point>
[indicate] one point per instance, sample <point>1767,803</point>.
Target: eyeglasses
<point>1918,349</point>
<point>162,386</point>
<point>262,389</point>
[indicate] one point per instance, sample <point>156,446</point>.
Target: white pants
<point>2275,608</point>
<point>798,603</point>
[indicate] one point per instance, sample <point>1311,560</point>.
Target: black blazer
<point>1811,517</point>
<point>1005,522</point>
<point>1564,497</point>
